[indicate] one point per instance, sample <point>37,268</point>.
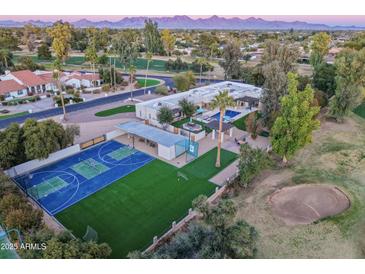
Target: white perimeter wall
<point>167,153</point>
<point>35,164</point>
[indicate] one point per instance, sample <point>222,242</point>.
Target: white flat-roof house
<point>247,98</point>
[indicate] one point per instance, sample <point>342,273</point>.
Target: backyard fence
<point>175,227</point>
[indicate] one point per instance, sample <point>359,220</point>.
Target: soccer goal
<point>90,235</point>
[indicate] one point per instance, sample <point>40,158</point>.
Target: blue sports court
<point>64,183</point>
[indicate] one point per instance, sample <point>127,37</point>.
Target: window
<point>20,92</point>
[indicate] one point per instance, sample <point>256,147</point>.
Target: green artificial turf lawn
<point>6,116</point>
<point>131,211</point>
<point>360,110</point>
<point>149,82</point>
<point>117,110</point>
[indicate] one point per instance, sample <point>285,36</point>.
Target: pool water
<point>228,114</point>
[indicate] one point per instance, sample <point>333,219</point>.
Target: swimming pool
<point>229,114</point>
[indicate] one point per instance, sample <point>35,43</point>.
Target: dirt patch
<point>305,204</point>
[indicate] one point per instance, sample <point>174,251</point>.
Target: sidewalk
<point>221,178</point>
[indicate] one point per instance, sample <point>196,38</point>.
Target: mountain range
<point>185,22</point>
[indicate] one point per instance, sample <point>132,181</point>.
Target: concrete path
<point>221,178</point>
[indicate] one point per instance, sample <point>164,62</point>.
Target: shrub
<point>162,90</point>
<point>251,162</point>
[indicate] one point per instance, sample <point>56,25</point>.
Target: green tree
<point>350,82</point>
<point>319,48</point>
<point>165,116</point>
<point>61,34</point>
<point>183,81</point>
<point>27,63</point>
<point>231,56</point>
<point>324,78</point>
<point>126,46</point>
<point>8,40</point>
<point>91,55</point>
<point>168,41</point>
<point>11,146</point>
<point>187,107</point>
<point>251,162</point>
<point>43,52</point>
<point>152,37</point>
<point>6,58</point>
<point>274,88</point>
<point>221,101</point>
<point>293,127</point>
<point>286,55</point>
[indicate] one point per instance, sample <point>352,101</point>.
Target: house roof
<point>29,78</point>
<point>9,86</point>
<point>215,125</point>
<point>82,76</point>
<point>151,133</point>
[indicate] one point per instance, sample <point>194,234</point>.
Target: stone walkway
<point>221,178</point>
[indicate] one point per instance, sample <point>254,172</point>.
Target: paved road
<point>88,104</point>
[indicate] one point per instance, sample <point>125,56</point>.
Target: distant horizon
<point>330,20</point>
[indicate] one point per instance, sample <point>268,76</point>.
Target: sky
<point>344,20</point>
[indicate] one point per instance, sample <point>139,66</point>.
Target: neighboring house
<point>11,89</point>
<point>79,80</point>
<point>34,83</point>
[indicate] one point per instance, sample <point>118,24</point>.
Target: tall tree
<point>286,54</point>
<point>187,107</point>
<point>231,56</point>
<point>324,78</point>
<point>43,52</point>
<point>149,59</point>
<point>29,36</point>
<point>277,61</point>
<point>11,146</point>
<point>221,101</point>
<point>61,34</point>
<point>91,55</point>
<point>293,127</point>
<point>5,59</point>
<point>274,88</point>
<point>319,48</point>
<point>168,41</point>
<point>126,46</point>
<point>8,40</point>
<point>152,37</point>
<point>350,82</point>
<point>165,116</point>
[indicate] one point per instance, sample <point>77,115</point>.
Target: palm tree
<point>201,62</point>
<point>132,70</point>
<point>5,56</point>
<point>149,59</point>
<point>221,101</point>
<point>56,76</point>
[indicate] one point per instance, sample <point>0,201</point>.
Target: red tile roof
<point>10,85</point>
<point>28,78</point>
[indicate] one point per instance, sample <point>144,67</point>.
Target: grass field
<point>336,157</point>
<point>117,110</point>
<point>360,110</point>
<point>149,82</point>
<point>131,211</point>
<point>141,63</point>
<point>6,116</point>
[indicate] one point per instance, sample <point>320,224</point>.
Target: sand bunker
<point>304,204</point>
